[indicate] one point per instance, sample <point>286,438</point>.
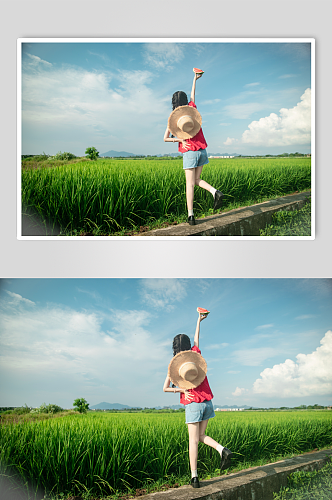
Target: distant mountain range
<point>115,154</point>
<point>109,406</point>
<point>118,406</point>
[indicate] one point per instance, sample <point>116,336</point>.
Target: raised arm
<point>192,96</point>
<point>196,338</point>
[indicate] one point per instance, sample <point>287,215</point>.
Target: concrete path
<point>245,221</point>
<point>256,483</point>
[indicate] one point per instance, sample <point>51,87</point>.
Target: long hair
<point>181,343</point>
<point>179,98</point>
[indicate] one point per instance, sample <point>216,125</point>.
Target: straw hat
<point>184,122</point>
<point>187,369</point>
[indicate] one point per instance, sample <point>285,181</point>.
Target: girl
<point>194,156</point>
<point>198,406</point>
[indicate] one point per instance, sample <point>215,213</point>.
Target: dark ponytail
<point>181,343</point>
<point>179,99</point>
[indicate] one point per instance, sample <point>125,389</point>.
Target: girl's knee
<point>201,437</point>
<point>193,441</point>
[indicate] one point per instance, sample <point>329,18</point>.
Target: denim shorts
<point>196,412</point>
<point>193,159</point>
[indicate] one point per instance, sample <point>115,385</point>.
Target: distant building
<point>229,409</point>
<point>221,156</point>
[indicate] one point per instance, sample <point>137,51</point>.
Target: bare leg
<point>196,434</point>
<point>198,181</point>
<point>190,184</point>
<point>203,437</point>
<point>193,430</point>
<point>225,458</point>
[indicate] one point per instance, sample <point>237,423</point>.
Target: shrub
<point>36,158</point>
<point>50,408</point>
<point>62,156</point>
<point>21,410</point>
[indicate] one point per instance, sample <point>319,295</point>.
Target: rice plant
<point>110,195</point>
<point>107,453</point>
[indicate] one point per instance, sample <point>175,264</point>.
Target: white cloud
<point>217,346</point>
<point>311,375</point>
<point>18,299</point>
<point>239,391</point>
<point>255,356</point>
<point>162,293</point>
<point>93,294</point>
<point>104,57</point>
<point>50,340</point>
<point>211,101</point>
<point>163,55</point>
<point>36,61</point>
<point>263,327</point>
<point>244,110</point>
<point>70,105</point>
<point>293,126</point>
<point>286,76</point>
<point>305,316</point>
<point>229,141</point>
<point>254,84</point>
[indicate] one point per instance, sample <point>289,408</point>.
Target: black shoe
<point>191,220</point>
<point>218,197</point>
<point>194,482</point>
<point>225,459</point>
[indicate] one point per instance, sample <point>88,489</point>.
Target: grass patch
<point>43,161</point>
<point>290,223</point>
<point>7,418</point>
<point>308,485</point>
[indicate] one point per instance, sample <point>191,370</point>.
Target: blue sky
<point>267,342</point>
<point>255,98</point>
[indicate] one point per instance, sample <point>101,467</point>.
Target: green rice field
<point>109,453</point>
<point>110,196</point>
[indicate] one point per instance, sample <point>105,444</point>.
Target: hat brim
<point>184,357</point>
<point>181,111</point>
